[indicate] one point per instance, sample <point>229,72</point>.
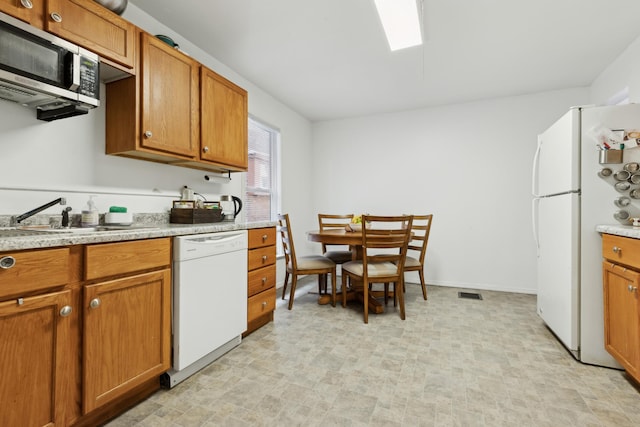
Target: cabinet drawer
<point>259,237</point>
<point>33,271</point>
<point>261,304</point>
<point>261,257</point>
<point>622,250</point>
<point>110,259</point>
<point>261,279</point>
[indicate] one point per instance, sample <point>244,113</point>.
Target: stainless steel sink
<point>31,230</point>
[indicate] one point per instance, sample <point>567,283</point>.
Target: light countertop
<point>48,239</point>
<point>620,230</point>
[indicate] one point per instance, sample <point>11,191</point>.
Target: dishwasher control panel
<point>200,245</point>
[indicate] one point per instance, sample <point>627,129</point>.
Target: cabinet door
<point>621,316</point>
<point>93,27</point>
<point>34,359</point>
<point>170,118</point>
<point>127,335</point>
<point>29,11</point>
<point>224,121</point>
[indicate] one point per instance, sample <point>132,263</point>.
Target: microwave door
<point>31,57</point>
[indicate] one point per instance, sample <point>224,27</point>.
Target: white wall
<point>468,164</point>
<point>622,73</point>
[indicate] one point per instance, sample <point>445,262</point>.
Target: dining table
<point>353,239</point>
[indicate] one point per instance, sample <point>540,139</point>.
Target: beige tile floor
<point>452,362</point>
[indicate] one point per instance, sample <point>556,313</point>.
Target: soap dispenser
<point>89,217</point>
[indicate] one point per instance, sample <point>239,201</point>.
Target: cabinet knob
<point>65,311</point>
<point>264,258</point>
<point>95,303</point>
<point>617,250</point>
<point>26,4</point>
<point>6,262</point>
<point>148,134</point>
<point>264,280</point>
<point>56,17</point>
<point>205,149</point>
<point>264,237</point>
<point>632,288</point>
<point>264,304</point>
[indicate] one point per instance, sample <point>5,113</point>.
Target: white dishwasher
<point>209,300</point>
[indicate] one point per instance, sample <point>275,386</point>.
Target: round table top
<point>336,236</point>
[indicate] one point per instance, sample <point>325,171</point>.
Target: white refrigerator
<point>570,198</point>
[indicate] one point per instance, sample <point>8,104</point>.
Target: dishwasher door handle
<point>214,239</point>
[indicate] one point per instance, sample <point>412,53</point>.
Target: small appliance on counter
<point>118,215</point>
<point>231,207</point>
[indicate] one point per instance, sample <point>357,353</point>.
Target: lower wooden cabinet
<point>127,318</point>
<point>85,331</point>
<point>35,357</point>
<point>622,316</point>
<point>621,282</point>
<point>126,335</point>
<point>261,280</point>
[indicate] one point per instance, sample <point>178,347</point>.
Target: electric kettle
<point>230,204</point>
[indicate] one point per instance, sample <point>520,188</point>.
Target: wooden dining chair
<point>384,249</point>
<point>304,265</point>
<point>338,254</point>
<point>420,230</point>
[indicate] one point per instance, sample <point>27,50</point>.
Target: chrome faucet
<point>31,213</point>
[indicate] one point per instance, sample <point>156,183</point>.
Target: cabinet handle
<point>27,4</point>
<point>205,149</point>
<point>148,134</point>
<point>617,250</point>
<point>6,262</point>
<point>264,237</point>
<point>95,303</point>
<point>65,311</point>
<point>264,258</point>
<point>264,280</point>
<point>56,17</point>
<point>632,288</point>
<point>264,304</point>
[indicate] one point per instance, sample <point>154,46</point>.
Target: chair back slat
<point>333,221</point>
<point>385,239</point>
<point>420,229</point>
<point>287,240</point>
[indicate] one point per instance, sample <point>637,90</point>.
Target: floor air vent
<point>469,295</point>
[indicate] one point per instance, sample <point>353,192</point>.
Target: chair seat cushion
<point>313,262</point>
<point>339,256</point>
<point>374,269</point>
<point>411,262</point>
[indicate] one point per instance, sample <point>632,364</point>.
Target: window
<point>262,188</point>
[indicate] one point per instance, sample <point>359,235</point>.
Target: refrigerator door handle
<point>534,173</point>
<point>534,216</point>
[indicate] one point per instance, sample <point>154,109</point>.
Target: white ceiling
<point>329,59</point>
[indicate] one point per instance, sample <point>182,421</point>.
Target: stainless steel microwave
<point>42,71</point>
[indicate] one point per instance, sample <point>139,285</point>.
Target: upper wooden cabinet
<point>224,121</point>
<point>169,96</point>
<point>154,115</point>
<point>223,124</point>
<point>29,11</point>
<point>175,111</point>
<point>83,22</point>
<point>93,27</point>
